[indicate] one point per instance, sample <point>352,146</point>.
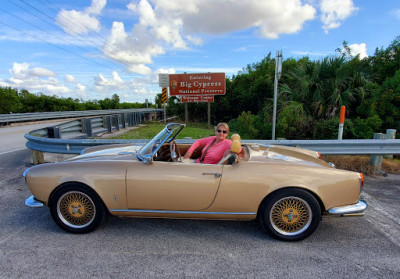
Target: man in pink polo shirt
<point>214,147</point>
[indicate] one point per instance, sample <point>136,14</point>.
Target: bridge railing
<point>22,117</point>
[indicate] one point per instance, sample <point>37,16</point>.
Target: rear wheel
<point>290,214</point>
<point>76,208</point>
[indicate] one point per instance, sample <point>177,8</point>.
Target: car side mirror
<point>147,159</point>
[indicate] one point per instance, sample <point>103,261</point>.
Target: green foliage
<point>12,101</point>
<point>326,85</point>
<point>386,62</point>
<point>327,128</point>
<point>292,122</point>
<point>9,101</point>
<point>353,129</point>
<point>193,130</point>
<point>365,128</point>
<point>386,102</point>
<point>245,126</point>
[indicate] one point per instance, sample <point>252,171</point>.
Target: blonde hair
<point>222,124</point>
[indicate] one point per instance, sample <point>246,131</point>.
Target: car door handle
<point>217,175</point>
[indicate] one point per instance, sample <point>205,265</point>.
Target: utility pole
<point>278,73</point>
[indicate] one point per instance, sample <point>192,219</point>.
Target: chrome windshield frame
<point>166,135</point>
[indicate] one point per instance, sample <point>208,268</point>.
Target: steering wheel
<point>174,156</point>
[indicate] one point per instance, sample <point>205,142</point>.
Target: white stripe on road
<point>2,153</point>
<point>381,219</point>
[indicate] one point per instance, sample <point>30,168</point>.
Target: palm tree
<point>325,85</point>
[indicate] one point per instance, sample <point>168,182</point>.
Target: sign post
<point>341,122</point>
<point>278,72</point>
<point>209,114</point>
<point>164,99</point>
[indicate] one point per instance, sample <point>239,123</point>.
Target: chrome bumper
<point>357,209</point>
<point>31,202</point>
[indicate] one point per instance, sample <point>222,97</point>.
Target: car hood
<point>109,153</point>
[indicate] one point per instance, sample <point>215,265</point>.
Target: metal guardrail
<point>89,127</point>
<point>49,140</point>
<point>20,117</point>
<point>326,147</point>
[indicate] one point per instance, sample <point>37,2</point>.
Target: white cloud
<point>271,17</point>
<point>103,84</point>
<point>23,76</point>
<point>334,12</point>
<point>81,89</point>
<point>360,49</point>
<point>70,78</point>
<point>81,22</point>
<point>135,50</point>
<point>179,24</point>
<point>96,7</point>
<point>128,90</point>
<point>34,80</point>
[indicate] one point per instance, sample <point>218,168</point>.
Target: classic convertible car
<point>287,189</point>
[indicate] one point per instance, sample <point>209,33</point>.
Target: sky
<point>91,50</point>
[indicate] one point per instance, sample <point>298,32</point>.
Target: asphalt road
<point>12,137</point>
<point>32,246</point>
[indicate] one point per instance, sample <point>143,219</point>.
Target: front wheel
<point>76,208</point>
<point>290,214</point>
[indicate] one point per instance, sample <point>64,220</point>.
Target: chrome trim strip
<point>359,207</point>
<point>181,212</point>
<point>25,171</point>
<point>31,202</point>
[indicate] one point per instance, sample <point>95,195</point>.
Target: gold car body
<point>132,187</point>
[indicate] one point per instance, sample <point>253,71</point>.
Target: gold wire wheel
<point>76,209</point>
<point>291,216</point>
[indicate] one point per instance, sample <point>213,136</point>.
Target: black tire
<point>77,208</point>
<point>290,214</point>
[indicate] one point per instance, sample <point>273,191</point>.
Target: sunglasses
<point>221,131</point>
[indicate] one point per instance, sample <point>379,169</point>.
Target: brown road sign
<point>198,99</point>
<point>197,84</point>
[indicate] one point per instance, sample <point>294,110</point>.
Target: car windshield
<point>166,135</point>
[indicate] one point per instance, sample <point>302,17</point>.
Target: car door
<point>172,186</point>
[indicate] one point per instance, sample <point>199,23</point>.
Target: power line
<point>103,40</point>
<point>77,22</point>
<point>58,37</point>
<point>37,38</point>
<point>49,23</point>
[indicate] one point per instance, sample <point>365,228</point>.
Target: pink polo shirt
<point>215,152</point>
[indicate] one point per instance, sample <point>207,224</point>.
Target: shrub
<point>245,125</point>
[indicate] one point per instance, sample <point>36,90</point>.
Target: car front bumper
<point>31,202</point>
<point>357,209</point>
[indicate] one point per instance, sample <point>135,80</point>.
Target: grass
<point>361,163</point>
<point>199,130</point>
<point>193,130</point>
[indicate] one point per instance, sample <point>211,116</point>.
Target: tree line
<point>310,96</point>
<point>14,101</point>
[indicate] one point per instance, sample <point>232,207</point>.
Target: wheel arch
<point>321,204</point>
<point>75,183</point>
